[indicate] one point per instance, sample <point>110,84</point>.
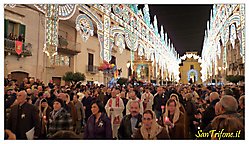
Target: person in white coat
<point>114,108</point>
<point>147,99</point>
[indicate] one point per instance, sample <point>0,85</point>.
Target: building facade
<point>79,37</point>
<point>224,43</point>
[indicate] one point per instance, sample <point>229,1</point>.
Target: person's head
<point>75,98</point>
<point>188,96</point>
<point>132,95</point>
<point>114,93</point>
<point>217,108</point>
<point>228,124</point>
<point>229,104</point>
<point>97,107</point>
<point>171,105</point>
<point>29,91</point>
<point>147,90</point>
<point>109,90</point>
<point>46,94</point>
<point>40,89</point>
<point>58,104</point>
<point>141,89</point>
<point>160,90</point>
<point>21,97</point>
<point>174,96</point>
<point>44,103</point>
<point>122,94</point>
<point>134,108</point>
<point>242,102</point>
<point>147,119</point>
<point>28,99</point>
<point>62,96</point>
<point>25,80</point>
<point>213,96</point>
<point>35,92</point>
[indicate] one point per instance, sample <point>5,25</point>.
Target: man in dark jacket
<point>130,122</point>
<point>209,113</point>
<point>160,100</point>
<point>23,117</point>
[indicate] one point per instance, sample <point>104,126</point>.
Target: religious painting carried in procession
<point>142,71</point>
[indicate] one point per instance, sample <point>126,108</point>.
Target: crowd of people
<point>122,111</point>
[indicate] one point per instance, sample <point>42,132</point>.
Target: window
<point>191,66</point>
<point>113,60</point>
<point>90,62</point>
<point>16,29</point>
<point>60,60</point>
<point>90,59</point>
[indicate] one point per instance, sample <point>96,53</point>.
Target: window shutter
<point>6,23</point>
<point>22,29</point>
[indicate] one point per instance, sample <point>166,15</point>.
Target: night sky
<point>184,24</point>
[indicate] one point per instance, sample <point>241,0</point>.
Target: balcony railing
<point>67,46</point>
<point>92,69</point>
<point>10,46</point>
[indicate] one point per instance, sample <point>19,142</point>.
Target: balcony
<point>68,47</point>
<point>10,46</point>
<point>92,69</point>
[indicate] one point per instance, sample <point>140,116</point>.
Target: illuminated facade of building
<point>190,69</point>
<point>224,43</point>
<point>78,37</point>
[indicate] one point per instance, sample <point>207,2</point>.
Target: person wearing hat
<point>59,119</point>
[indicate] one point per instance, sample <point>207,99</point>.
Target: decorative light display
<point>53,13</point>
<point>222,17</point>
<point>120,42</point>
<point>134,31</point>
<point>85,26</point>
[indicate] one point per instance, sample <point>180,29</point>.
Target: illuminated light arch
<point>193,71</point>
<point>117,29</point>
<point>235,18</point>
<point>131,40</point>
<point>141,48</point>
<point>92,15</point>
<point>65,11</point>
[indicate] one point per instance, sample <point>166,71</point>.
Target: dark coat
<point>125,101</point>
<point>62,121</point>
<point>208,114</point>
<point>158,101</point>
<point>177,132</point>
<point>87,103</point>
<point>72,110</point>
<point>163,135</point>
<point>22,119</point>
<point>125,131</point>
<point>101,129</point>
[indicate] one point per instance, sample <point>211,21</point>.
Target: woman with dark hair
<point>174,120</point>
<point>150,129</point>
<point>98,124</point>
